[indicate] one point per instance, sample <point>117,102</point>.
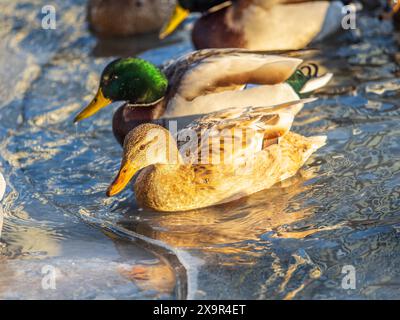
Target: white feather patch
<point>316,83</point>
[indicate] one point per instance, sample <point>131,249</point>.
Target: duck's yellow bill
<point>97,103</point>
<point>396,7</point>
<point>178,16</point>
<point>125,174</point>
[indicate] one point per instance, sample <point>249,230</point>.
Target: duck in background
<point>392,12</point>
<point>119,18</point>
<point>230,155</point>
<point>198,83</point>
<point>258,24</point>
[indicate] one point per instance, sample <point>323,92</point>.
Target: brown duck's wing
<point>231,136</point>
<point>215,70</point>
<point>210,184</point>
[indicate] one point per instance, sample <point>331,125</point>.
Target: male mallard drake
<point>222,157</point>
<point>258,24</point>
<point>198,83</point>
<point>127,17</point>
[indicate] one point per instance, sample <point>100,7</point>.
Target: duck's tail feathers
<point>317,142</point>
<point>314,143</point>
<point>316,83</point>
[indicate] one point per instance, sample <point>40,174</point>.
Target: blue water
<point>291,241</point>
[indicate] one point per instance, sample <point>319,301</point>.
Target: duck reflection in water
<point>216,228</point>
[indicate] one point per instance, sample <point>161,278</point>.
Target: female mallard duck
<point>198,83</point>
<point>127,17</point>
<point>229,154</point>
<point>258,24</point>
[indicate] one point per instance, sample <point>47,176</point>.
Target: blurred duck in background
<point>198,83</point>
<point>120,18</point>
<point>393,12</point>
<point>396,15</point>
<point>258,24</point>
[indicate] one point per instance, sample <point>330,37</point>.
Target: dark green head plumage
<point>133,80</point>
<point>298,80</point>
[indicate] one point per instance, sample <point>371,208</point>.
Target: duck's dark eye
<point>108,78</point>
<point>142,147</point>
<point>105,80</point>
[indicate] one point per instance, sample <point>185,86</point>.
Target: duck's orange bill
<point>125,174</point>
<point>178,16</point>
<point>396,7</point>
<point>97,103</point>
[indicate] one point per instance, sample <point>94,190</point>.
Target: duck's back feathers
<point>209,71</point>
<point>232,136</point>
<point>211,80</point>
<point>176,69</point>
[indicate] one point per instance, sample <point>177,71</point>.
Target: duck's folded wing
<point>232,135</point>
<point>208,71</point>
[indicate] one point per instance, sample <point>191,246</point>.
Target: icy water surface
<point>291,241</point>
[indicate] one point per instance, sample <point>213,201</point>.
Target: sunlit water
<point>291,241</point>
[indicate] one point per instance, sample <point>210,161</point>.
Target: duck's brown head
<point>144,145</point>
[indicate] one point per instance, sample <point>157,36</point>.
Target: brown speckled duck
<point>230,154</point>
